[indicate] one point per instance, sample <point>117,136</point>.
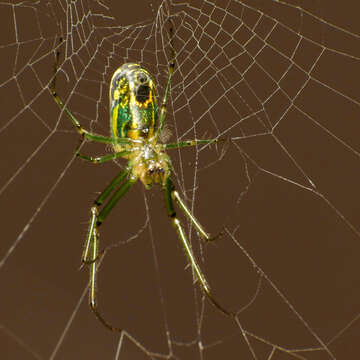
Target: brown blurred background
<point>288,261</point>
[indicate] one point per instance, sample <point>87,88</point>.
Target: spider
<point>136,123</point>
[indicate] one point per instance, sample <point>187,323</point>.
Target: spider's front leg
<point>170,195</point>
<point>83,132</point>
<point>91,253</point>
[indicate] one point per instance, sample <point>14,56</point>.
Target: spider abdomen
<point>133,105</point>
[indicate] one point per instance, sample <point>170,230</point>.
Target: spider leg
<point>171,67</point>
<point>175,195</point>
<point>91,249</point>
<point>86,258</point>
<point>102,159</point>
<point>97,217</point>
<point>86,134</point>
<point>170,194</point>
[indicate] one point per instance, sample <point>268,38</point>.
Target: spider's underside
<point>136,123</point>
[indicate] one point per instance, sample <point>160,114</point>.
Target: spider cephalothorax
<point>150,164</point>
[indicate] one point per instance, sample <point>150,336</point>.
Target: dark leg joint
<point>93,304</point>
<point>81,131</point>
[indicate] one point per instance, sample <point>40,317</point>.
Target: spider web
<point>278,81</point>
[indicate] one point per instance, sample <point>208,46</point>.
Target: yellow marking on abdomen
<point>115,113</point>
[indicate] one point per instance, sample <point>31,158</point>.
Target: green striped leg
<point>171,67</point>
<point>91,253</point>
<point>86,134</point>
<point>102,159</point>
<point>87,257</point>
<point>170,195</point>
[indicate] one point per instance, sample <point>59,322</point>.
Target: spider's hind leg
<point>170,194</point>
<point>91,253</point>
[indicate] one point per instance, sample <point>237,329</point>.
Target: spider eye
<point>160,170</point>
<point>151,171</point>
